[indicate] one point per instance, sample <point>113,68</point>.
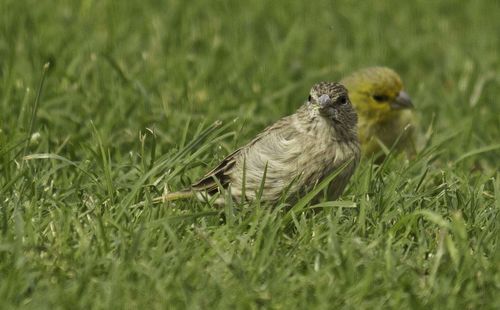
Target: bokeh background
<point>129,65</point>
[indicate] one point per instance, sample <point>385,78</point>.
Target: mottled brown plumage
<point>296,152</point>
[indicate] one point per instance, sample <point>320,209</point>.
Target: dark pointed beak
<point>402,101</point>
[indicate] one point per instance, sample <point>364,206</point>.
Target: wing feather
<point>221,173</point>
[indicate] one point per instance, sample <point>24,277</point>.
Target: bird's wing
<point>220,174</point>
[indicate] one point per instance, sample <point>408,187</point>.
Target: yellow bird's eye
<point>381,98</point>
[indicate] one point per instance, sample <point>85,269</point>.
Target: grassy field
<point>129,105</point>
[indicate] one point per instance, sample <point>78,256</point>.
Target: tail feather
<point>174,196</point>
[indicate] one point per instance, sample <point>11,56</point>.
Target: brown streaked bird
<point>385,110</point>
<point>297,152</point>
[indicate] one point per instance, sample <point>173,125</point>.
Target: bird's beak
<point>324,101</point>
<point>402,101</point>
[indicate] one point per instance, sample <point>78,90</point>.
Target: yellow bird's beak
<point>402,101</point>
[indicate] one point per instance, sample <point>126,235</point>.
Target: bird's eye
<point>380,98</point>
<point>309,98</point>
<point>342,99</point>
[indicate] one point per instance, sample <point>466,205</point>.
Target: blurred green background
<point>129,65</point>
<point>71,237</point>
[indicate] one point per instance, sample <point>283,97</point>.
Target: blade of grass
<point>300,205</point>
<point>481,150</point>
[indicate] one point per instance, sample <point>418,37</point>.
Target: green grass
<point>128,107</point>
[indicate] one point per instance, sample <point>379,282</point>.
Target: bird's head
<point>332,101</point>
<point>377,92</point>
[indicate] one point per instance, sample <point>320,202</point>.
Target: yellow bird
<point>384,110</point>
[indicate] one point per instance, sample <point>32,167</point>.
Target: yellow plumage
<point>384,110</point>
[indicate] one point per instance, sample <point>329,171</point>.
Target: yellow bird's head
<point>377,93</point>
